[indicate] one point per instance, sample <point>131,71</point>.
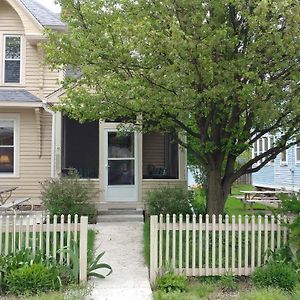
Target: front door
<point>121,166</point>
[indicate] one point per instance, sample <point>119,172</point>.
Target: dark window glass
<point>6,146</point>
<point>81,147</point>
<point>160,157</point>
<point>12,71</point>
<point>121,172</point>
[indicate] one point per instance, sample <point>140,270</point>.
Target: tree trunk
<point>217,193</point>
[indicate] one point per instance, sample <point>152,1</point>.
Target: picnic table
<point>7,202</point>
<point>266,197</point>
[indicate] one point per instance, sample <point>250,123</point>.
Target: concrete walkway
<point>123,246</point>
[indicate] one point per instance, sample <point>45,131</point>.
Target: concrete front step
<point>121,218</point>
<point>124,211</point>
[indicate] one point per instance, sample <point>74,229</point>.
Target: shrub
<point>275,274</point>
<point>68,195</point>
<point>25,258</point>
<point>228,283</point>
<point>171,282</point>
<point>30,280</point>
<point>168,200</point>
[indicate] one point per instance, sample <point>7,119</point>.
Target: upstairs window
<point>12,59</point>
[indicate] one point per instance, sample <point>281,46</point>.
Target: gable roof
<point>43,15</point>
<point>17,96</point>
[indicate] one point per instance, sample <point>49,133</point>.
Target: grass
<point>206,289</point>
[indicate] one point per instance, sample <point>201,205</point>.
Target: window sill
<point>8,85</point>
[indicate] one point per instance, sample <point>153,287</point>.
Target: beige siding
<point>33,167</point>
<point>9,19</point>
<point>148,185</point>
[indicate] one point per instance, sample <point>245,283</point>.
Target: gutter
<point>53,138</point>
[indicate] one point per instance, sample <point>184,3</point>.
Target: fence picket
<point>6,236</point>
<point>239,245</point>
<point>194,245</point>
<point>226,243</point>
<point>174,242</point>
<point>246,245</point>
<point>200,245</point>
<point>68,238</point>
<point>20,234</point>
<point>252,243</point>
<point>55,236</point>
<point>213,251</point>
<point>272,232</point>
<point>61,253</point>
<point>187,244</point>
<point>278,232</point>
<point>285,230</point>
<point>167,238</point>
<point>259,242</point>
<point>47,235</point>
<point>207,245</point>
<point>160,254</point>
<point>233,244</point>
<point>266,238</point>
<point>34,235</point>
<point>27,232</point>
<point>220,223</point>
<point>180,244</point>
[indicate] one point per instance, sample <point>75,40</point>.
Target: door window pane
<point>121,172</point>
<point>120,146</point>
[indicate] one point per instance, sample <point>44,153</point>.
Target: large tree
<point>222,73</point>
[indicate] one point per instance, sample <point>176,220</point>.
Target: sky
<point>50,4</point>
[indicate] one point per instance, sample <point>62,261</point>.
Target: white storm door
<point>120,166</point>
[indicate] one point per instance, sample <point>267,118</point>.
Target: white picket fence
<point>49,236</point>
<point>198,246</point>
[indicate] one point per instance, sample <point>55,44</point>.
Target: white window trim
<point>297,147</point>
<point>16,119</point>
<point>282,162</point>
<point>21,81</point>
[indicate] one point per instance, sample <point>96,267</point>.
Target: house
<point>37,143</point>
<point>281,173</point>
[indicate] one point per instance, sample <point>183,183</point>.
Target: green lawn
<point>219,289</point>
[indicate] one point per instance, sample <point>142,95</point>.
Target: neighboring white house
<point>281,173</point>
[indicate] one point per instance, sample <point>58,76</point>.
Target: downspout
<point>53,138</point>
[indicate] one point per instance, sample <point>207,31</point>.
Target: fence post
<point>83,249</point>
<point>153,247</point>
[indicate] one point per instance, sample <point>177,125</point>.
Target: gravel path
<point>123,246</point>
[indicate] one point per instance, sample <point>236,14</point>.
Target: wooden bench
<point>14,203</point>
